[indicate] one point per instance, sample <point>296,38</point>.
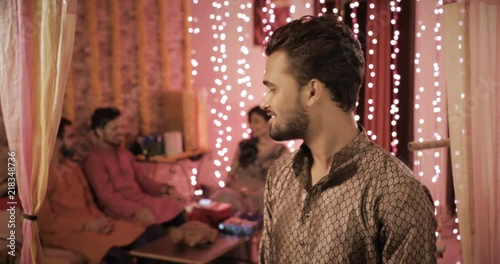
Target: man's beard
<point>67,153</point>
<point>294,126</point>
<point>114,144</point>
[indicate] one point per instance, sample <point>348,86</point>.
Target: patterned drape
<point>126,54</point>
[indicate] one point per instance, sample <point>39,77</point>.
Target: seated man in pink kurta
<point>123,190</point>
<point>70,219</point>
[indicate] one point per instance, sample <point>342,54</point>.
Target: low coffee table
<point>164,249</point>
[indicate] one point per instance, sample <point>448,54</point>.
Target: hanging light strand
<point>396,78</point>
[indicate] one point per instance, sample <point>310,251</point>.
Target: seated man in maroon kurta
<point>123,190</point>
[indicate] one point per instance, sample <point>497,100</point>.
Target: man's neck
<point>264,140</point>
<point>106,145</point>
<point>329,139</point>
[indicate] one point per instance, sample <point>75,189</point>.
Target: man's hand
<point>165,189</point>
<point>144,216</point>
<point>108,226</point>
<point>177,196</point>
<point>99,225</point>
<point>247,192</point>
<point>170,191</point>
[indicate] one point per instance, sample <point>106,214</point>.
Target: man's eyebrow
<point>268,83</point>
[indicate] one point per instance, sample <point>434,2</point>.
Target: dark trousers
<point>177,221</point>
<point>119,255</point>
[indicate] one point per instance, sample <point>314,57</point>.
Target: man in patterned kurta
<point>339,198</point>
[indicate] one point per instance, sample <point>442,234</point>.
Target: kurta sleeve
<point>95,211</point>
<point>89,198</point>
<point>147,184</point>
<point>408,224</point>
<point>51,221</point>
<point>100,180</point>
<point>265,242</point>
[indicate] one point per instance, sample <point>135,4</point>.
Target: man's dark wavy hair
<point>322,48</point>
<point>248,148</point>
<point>102,116</point>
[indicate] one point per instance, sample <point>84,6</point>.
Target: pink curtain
<point>472,48</point>
<point>36,41</point>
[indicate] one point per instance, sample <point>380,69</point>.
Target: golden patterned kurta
<point>368,209</point>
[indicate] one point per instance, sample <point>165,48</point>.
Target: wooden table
<point>164,249</point>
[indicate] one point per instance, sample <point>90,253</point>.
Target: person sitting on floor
<point>246,180</point>
<point>123,189</point>
<point>70,219</point>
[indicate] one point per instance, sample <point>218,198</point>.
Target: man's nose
<point>264,105</point>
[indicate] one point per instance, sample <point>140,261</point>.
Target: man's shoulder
<point>380,160</point>
<point>96,156</point>
<point>393,178</point>
<point>95,151</point>
<point>390,173</point>
<point>281,167</point>
<point>99,152</point>
<point>62,169</point>
<point>284,161</point>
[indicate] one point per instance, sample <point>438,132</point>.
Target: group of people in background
<point>106,204</point>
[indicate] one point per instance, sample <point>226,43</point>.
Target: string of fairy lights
<point>395,9</point>
<point>371,45</point>
<point>370,77</point>
<point>192,29</point>
<point>355,28</point>
<point>269,20</point>
<point>323,9</point>
<point>219,58</point>
<point>244,80</point>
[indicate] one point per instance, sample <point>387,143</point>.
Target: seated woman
<point>245,184</point>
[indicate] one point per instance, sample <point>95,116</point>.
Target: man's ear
<point>314,89</point>
<point>99,132</point>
